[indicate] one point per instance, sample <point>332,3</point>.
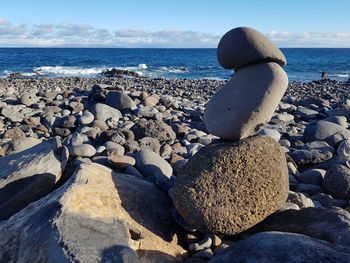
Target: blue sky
<point>154,23</point>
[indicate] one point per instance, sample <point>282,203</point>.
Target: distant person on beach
<point>324,75</point>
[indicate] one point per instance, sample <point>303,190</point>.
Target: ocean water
<point>304,64</point>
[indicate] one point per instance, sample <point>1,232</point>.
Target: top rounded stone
<point>242,46</point>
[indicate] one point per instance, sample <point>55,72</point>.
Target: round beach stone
<point>120,100</point>
<point>87,117</point>
<point>13,112</point>
<point>150,144</point>
<point>228,187</point>
<point>149,163</point>
<point>29,98</point>
<point>233,113</point>
<point>337,181</point>
<point>312,176</point>
<point>122,161</point>
<point>114,147</point>
<point>82,150</point>
<point>327,131</point>
<point>242,46</point>
<point>155,129</point>
<point>343,151</point>
<point>309,157</point>
<point>340,120</point>
<point>14,134</point>
<point>103,112</point>
<point>273,133</point>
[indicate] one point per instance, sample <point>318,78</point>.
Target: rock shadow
<point>146,204</point>
<point>18,194</point>
<point>123,254</point>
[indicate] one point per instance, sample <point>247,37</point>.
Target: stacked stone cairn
<point>231,185</point>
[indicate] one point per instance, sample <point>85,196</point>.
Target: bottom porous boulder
<point>96,216</point>
<point>277,247</point>
<point>228,187</point>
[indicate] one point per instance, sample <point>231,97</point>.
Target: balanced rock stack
<point>251,96</point>
<point>228,187</point>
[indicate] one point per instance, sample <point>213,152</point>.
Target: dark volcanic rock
<point>337,181</point>
<point>155,129</point>
<point>119,73</point>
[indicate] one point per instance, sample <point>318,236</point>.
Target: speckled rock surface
<point>228,187</point>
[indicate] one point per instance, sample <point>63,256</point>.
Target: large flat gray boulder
<point>277,247</point>
<point>30,174</point>
<point>96,216</point>
<point>329,224</point>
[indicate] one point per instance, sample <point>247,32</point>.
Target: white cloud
<point>167,38</point>
<point>43,30</point>
<point>13,31</point>
<point>82,35</point>
<point>310,39</point>
<point>3,21</point>
<point>68,34</point>
<point>72,30</point>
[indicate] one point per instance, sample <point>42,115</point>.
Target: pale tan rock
<point>121,161</point>
<point>97,216</point>
<point>22,144</point>
<point>29,98</point>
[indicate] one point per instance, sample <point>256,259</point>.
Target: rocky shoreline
<point>90,165</point>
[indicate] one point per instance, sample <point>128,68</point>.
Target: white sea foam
<point>213,78</point>
<point>173,69</point>
<point>28,74</point>
<point>68,71</point>
<point>141,69</point>
<point>204,67</point>
<point>340,75</point>
<point>142,66</point>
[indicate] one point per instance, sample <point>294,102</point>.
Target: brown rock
<point>14,133</point>
<point>155,129</point>
<point>121,161</point>
<point>226,188</point>
<point>150,144</point>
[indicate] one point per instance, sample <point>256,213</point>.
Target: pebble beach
<point>136,169</point>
